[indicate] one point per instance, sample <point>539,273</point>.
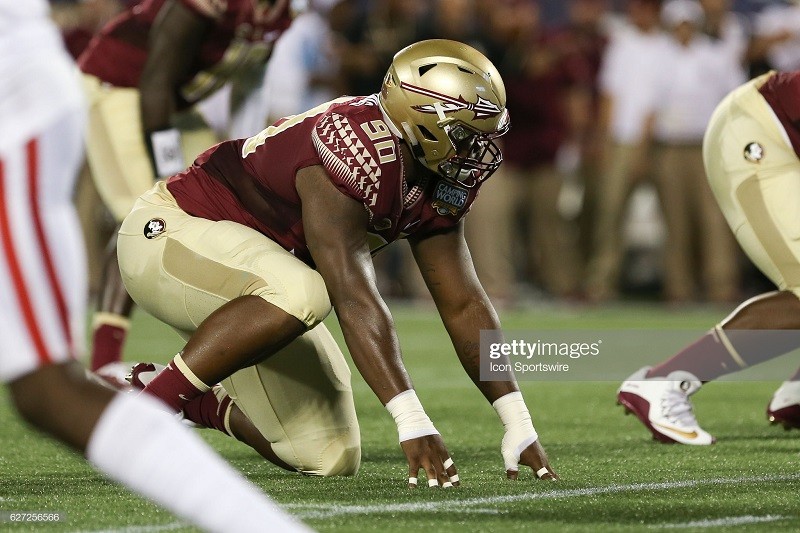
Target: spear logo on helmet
<point>482,108</point>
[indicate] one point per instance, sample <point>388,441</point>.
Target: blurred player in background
<point>143,74</point>
<point>247,251</point>
<point>42,291</point>
<point>750,152</point>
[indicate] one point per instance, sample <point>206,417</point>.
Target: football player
<point>750,152</point>
<point>143,74</point>
<point>42,288</point>
<point>248,250</point>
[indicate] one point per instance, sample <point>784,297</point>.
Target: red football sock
<point>210,410</point>
<point>176,385</point>
<point>707,358</point>
<point>722,351</point>
<point>108,339</point>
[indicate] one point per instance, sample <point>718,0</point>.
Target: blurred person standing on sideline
<point>695,78</point>
<point>628,81</point>
<point>303,72</point>
<point>585,34</point>
<point>728,30</point>
<point>542,82</point>
<point>776,39</point>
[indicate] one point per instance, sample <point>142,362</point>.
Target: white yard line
<point>724,522</point>
<point>142,529</point>
<point>330,510</point>
<point>470,505</point>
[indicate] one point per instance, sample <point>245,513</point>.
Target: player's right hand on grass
<point>535,457</point>
<point>429,453</point>
<point>520,445</point>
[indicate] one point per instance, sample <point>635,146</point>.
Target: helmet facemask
<point>475,154</point>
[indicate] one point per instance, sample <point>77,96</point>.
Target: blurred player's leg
<point>134,441</point>
<point>757,188</point>
<point>122,171</point>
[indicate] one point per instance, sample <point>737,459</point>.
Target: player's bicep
<point>335,227</point>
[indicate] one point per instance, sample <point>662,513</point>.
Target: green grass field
<point>614,478</point>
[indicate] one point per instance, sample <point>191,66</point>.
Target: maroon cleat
<point>784,408</point>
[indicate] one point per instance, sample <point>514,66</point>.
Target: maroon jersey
<point>242,34</point>
<point>252,181</point>
<point>781,91</point>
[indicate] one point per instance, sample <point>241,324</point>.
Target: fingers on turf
<point>546,474</point>
<point>452,472</point>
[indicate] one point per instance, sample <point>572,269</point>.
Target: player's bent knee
<point>305,297</point>
<point>318,302</point>
<point>341,456</point>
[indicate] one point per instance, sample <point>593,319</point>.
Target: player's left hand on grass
<point>429,453</point>
<point>535,457</point>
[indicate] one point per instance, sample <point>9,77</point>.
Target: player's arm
<point>335,227</point>
<point>446,266</point>
<point>174,40</point>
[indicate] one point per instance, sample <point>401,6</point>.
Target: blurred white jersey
<point>42,75</point>
<point>13,12</point>
<point>42,268</point>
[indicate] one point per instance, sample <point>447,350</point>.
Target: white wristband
<point>520,432</point>
<point>410,417</point>
<point>167,152</point>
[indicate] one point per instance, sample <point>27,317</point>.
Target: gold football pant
<point>300,399</point>
<point>755,175</point>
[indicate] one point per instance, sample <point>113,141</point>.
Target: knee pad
<point>340,456</point>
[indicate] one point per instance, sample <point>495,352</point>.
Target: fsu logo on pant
<point>754,152</point>
<point>154,228</point>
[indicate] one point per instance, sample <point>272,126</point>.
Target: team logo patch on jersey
<point>449,199</point>
<point>154,228</point>
<point>754,152</point>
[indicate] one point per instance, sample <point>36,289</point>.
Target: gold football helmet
<point>449,103</point>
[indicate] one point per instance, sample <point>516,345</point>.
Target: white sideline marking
<point>330,510</point>
<point>724,522</point>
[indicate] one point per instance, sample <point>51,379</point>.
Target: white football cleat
<point>112,375</point>
<point>784,408</point>
<point>663,406</point>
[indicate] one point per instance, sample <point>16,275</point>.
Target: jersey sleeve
<point>212,9</point>
<point>360,157</point>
